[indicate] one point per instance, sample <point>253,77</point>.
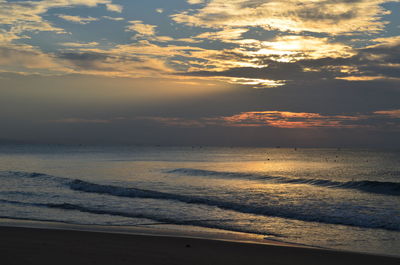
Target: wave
<point>159,219</point>
<point>210,173</point>
<point>295,213</point>
<point>289,212</point>
<point>21,174</point>
<point>377,187</point>
<point>81,185</point>
<point>32,175</point>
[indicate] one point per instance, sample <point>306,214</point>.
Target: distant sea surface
<point>347,199</point>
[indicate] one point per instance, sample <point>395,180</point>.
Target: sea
<point>342,199</point>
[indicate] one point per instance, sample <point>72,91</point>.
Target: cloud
<point>27,16</point>
<point>141,59</point>
<point>114,7</point>
<point>113,63</point>
<point>113,18</point>
<point>362,78</point>
<point>85,58</point>
<point>328,16</point>
<point>19,19</point>
<point>260,59</point>
<point>387,42</point>
<point>78,19</point>
<point>276,73</point>
<point>29,59</point>
<point>141,28</point>
<point>78,44</point>
<point>7,37</point>
<point>391,113</point>
<point>225,34</point>
<point>254,82</point>
<point>294,58</point>
<point>286,119</point>
<point>230,49</point>
<point>195,2</point>
<point>291,48</point>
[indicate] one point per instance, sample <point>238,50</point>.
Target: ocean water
<point>346,199</point>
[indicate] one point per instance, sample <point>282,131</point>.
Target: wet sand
<point>48,246</point>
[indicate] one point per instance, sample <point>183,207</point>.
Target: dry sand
<point>30,246</point>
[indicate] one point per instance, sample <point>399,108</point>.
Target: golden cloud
<point>294,48</point>
<point>141,28</point>
<point>29,60</point>
<point>25,16</point>
<point>228,22</point>
<point>79,44</point>
<point>78,19</point>
<point>322,16</point>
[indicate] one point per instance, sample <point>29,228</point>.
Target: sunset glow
<point>315,64</point>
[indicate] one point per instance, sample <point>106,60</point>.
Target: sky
<point>316,73</point>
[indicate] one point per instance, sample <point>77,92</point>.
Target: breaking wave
<point>377,187</point>
<point>295,213</point>
<point>218,224</point>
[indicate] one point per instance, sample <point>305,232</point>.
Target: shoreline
<point>161,230</point>
<point>51,245</point>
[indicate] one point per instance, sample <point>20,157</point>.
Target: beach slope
<point>50,246</point>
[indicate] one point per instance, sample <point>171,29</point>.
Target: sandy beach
<point>49,246</point>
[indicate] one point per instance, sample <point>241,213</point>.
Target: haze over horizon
<point>201,72</point>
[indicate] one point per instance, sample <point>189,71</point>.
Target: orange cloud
<point>391,113</point>
<point>287,119</point>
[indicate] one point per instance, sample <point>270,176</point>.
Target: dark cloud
<point>95,60</point>
<point>379,60</point>
<point>388,53</point>
<point>86,60</point>
<point>73,56</point>
<point>275,71</point>
<point>323,13</point>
